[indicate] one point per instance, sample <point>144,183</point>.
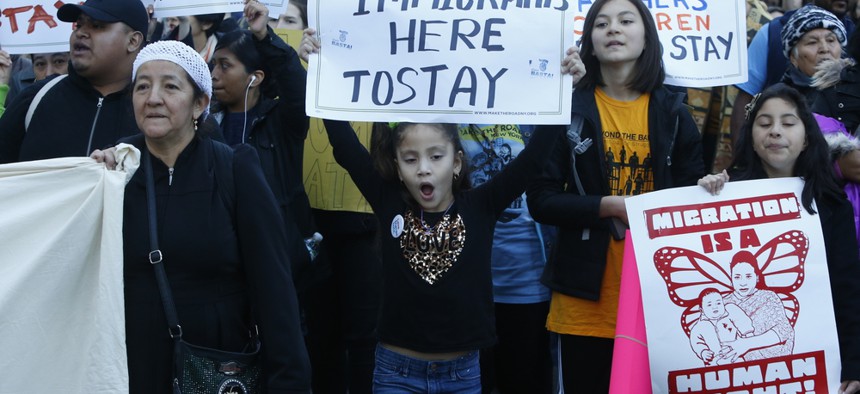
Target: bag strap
<point>38,98</point>
<point>577,147</point>
<point>155,256</point>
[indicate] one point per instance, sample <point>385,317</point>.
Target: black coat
<point>843,265</point>
<point>576,266</point>
<point>278,134</point>
<point>221,265</point>
<point>72,119</point>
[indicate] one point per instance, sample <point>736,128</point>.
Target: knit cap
<point>810,17</point>
<point>182,55</point>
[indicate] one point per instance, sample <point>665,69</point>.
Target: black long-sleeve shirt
<point>455,312</point>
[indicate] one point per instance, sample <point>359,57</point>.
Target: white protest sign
<point>704,41</point>
<point>735,289</point>
<point>165,8</point>
<point>437,61</point>
<point>31,26</point>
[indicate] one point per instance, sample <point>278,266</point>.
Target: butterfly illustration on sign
<point>746,312</point>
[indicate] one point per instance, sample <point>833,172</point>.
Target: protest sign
<point>165,8</point>
<point>735,289</point>
<point>31,26</point>
<point>704,41</point>
<point>423,61</point>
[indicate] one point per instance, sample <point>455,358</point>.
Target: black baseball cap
<point>130,12</point>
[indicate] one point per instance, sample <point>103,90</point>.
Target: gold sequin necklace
<point>427,229</point>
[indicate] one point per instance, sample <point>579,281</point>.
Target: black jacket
<point>576,266</point>
<point>278,134</point>
<point>839,98</point>
<point>72,119</point>
<point>224,260</point>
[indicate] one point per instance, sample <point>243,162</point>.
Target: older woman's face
<point>814,47</point>
<point>164,104</point>
<point>778,136</point>
<point>744,279</point>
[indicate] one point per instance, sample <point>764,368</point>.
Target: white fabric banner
<point>735,290</point>
<point>62,328</point>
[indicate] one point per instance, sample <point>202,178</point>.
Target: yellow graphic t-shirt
<point>627,157</point>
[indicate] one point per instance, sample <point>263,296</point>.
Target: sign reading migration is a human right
<point>441,61</point>
<point>735,290</point>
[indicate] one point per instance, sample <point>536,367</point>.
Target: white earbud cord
<point>245,122</point>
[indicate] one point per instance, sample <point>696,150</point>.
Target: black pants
<point>586,363</point>
<point>342,313</point>
<point>520,362</point>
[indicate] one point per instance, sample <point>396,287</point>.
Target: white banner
<point>422,61</point>
<point>165,8</point>
<point>61,275</point>
<point>735,289</point>
<point>704,41</point>
<point>31,26</point>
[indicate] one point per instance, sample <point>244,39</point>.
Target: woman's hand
<point>849,387</point>
<point>714,183</point>
<point>257,16</point>
<point>573,65</point>
<point>310,44</point>
<point>107,156</point>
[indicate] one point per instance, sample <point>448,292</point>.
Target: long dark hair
<point>302,5</point>
<point>241,44</point>
<point>649,67</point>
<point>813,163</point>
<point>385,139</point>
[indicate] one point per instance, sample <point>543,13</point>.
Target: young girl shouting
<point>437,234</point>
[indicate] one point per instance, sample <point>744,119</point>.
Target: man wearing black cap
<point>91,108</point>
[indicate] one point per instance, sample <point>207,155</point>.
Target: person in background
<point>259,84</point>
<point>43,65</point>
<point>197,31</point>
<point>591,172</point>
<point>295,17</point>
<point>5,74</point>
<point>224,256</point>
<point>780,137</point>
<point>91,108</point>
<point>520,362</point>
<point>767,60</point>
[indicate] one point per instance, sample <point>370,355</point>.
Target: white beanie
<point>182,55</point>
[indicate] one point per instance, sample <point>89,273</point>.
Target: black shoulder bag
<point>197,369</point>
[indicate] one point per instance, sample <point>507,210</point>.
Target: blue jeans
<point>396,373</point>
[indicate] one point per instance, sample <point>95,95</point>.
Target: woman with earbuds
<point>259,86</point>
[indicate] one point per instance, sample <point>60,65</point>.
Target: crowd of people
<point>502,270</point>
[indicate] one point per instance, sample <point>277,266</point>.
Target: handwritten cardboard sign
<point>31,26</point>
<point>704,42</point>
<point>441,61</point>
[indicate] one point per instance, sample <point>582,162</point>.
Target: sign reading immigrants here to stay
<point>441,61</point>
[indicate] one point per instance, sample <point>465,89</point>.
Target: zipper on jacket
<point>93,129</point>
<point>170,176</point>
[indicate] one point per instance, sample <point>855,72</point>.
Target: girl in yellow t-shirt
<point>635,137</point>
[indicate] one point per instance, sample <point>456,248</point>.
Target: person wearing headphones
<point>259,84</point>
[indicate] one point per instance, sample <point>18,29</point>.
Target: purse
<point>197,369</point>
